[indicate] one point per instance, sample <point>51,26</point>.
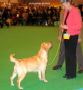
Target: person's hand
<point>64,26</point>
<point>60,38</point>
<point>79,40</point>
<point>62,30</point>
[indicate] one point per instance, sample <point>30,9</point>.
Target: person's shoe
<point>57,67</point>
<point>80,71</point>
<point>69,77</point>
<point>64,76</point>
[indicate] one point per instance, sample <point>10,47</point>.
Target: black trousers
<point>70,55</point>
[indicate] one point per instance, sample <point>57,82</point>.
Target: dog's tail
<point>13,59</point>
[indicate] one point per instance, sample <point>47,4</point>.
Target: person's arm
<point>61,22</point>
<point>80,37</point>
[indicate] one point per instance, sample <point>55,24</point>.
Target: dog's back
<point>36,63</point>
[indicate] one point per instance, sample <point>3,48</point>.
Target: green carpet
<point>25,42</point>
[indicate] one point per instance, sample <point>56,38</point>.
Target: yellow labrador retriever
<point>36,63</point>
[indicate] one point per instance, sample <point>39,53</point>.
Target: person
<point>71,30</point>
<point>61,51</point>
<point>61,58</point>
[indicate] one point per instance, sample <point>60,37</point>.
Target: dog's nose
<point>50,44</point>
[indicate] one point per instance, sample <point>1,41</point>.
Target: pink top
<point>74,22</point>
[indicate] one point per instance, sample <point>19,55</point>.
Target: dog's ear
<point>50,42</point>
<point>12,54</point>
<point>46,46</point>
<point>43,44</point>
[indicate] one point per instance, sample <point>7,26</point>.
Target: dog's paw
<point>20,88</point>
<point>40,79</point>
<point>45,81</point>
<point>12,84</point>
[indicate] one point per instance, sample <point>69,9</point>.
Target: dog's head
<point>46,45</point>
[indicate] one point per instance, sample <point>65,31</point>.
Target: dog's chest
<point>44,55</point>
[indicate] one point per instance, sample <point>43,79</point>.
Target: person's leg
<point>61,57</point>
<point>66,44</point>
<point>79,58</point>
<point>70,55</point>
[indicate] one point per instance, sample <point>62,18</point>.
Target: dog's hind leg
<point>20,78</point>
<point>12,77</point>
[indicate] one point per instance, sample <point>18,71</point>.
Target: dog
<point>35,63</point>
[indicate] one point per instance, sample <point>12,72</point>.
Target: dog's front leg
<point>39,75</point>
<point>43,76</point>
